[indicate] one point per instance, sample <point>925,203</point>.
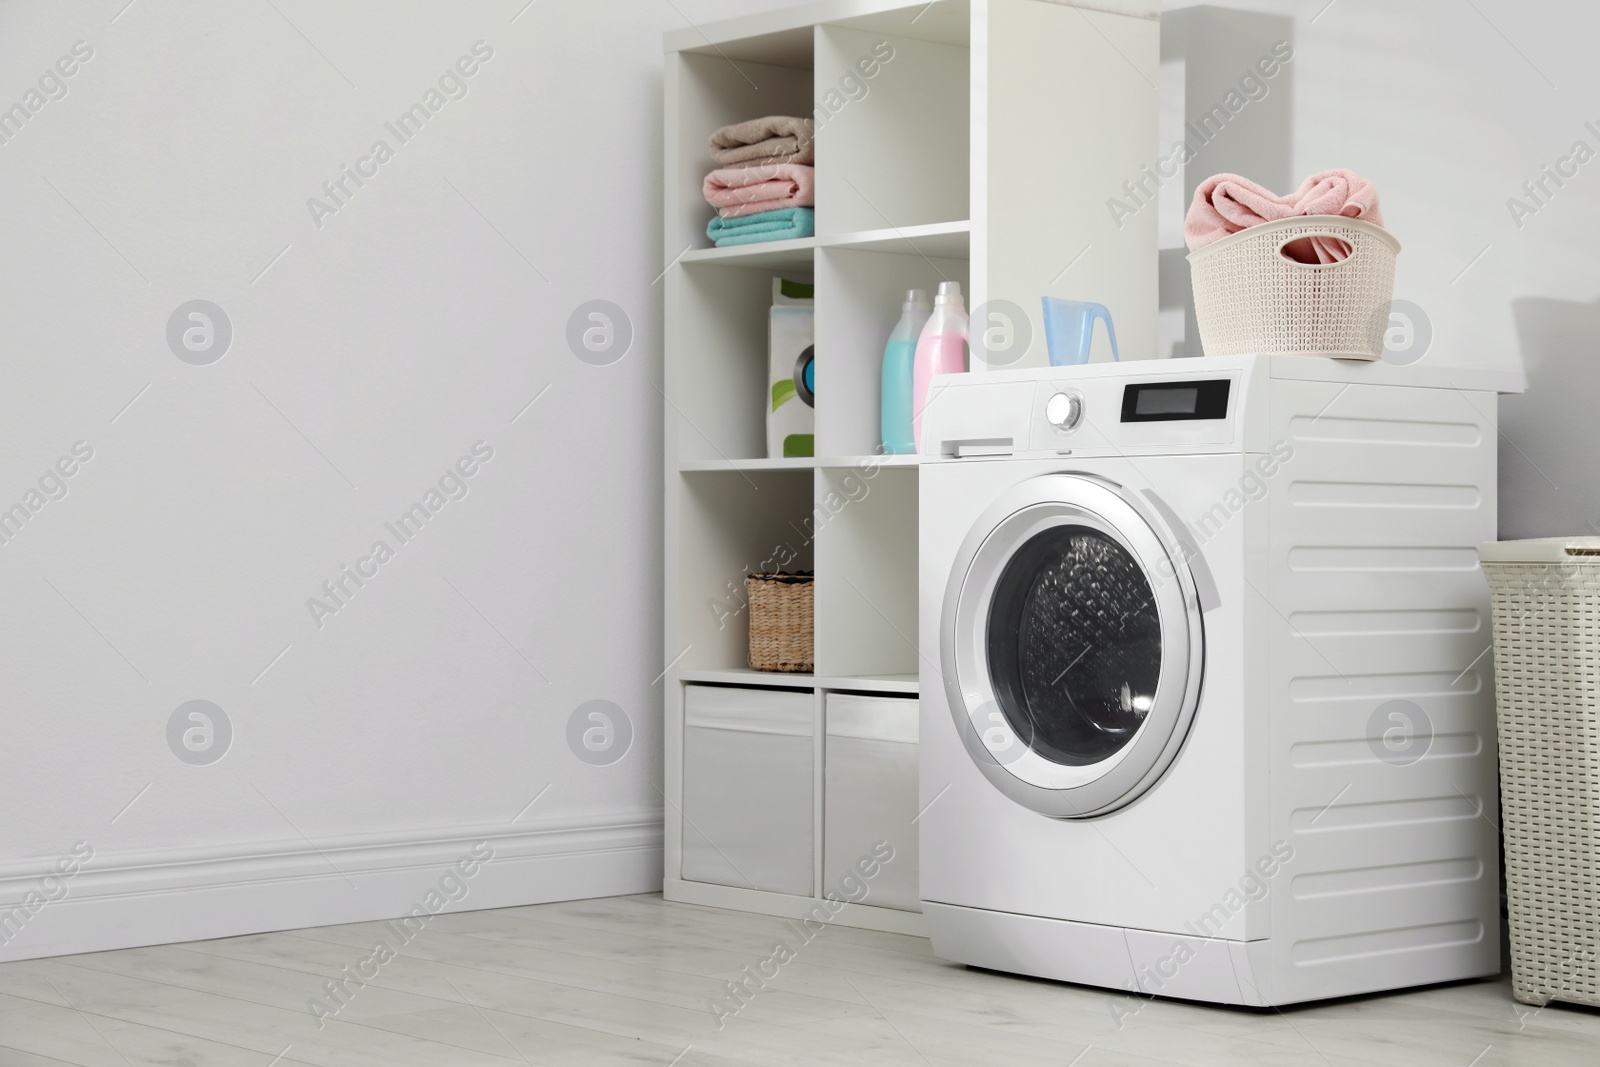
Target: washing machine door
<point>1072,645</point>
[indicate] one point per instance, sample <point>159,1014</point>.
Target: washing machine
<point>1207,709</point>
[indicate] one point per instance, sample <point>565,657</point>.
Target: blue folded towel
<point>782,225</point>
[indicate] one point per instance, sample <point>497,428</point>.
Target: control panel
<point>1133,412</point>
<point>1156,406</point>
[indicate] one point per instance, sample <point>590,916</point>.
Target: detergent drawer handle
<point>963,448</point>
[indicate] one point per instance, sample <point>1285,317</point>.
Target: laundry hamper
<point>1249,297</point>
<point>782,608</point>
<point>1546,596</point>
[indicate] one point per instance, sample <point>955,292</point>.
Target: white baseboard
<point>120,900</point>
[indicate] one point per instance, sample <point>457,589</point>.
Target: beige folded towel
<point>774,139</point>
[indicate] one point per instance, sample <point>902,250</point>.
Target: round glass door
<point>1074,633</point>
<point>1074,645</point>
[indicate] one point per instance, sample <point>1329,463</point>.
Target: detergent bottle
<point>941,349</point>
<point>899,356</point>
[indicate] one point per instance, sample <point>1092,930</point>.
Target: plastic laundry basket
<point>1249,297</point>
<point>1546,597</point>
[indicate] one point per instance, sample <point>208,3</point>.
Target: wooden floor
<point>628,981</point>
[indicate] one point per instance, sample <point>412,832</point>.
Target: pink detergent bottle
<point>941,349</point>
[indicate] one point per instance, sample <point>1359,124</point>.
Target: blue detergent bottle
<point>899,355</point>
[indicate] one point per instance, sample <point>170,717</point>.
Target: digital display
<point>1166,401</point>
<point>1175,401</point>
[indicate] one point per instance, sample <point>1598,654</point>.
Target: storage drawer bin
<point>747,788</point>
<point>870,795</point>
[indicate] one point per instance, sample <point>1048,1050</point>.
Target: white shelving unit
<point>983,152</point>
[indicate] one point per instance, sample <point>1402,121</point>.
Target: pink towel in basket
<point>739,191</point>
<point>1226,203</point>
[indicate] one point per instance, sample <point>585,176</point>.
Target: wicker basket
<point>1249,297</point>
<point>1547,683</point>
<point>781,610</point>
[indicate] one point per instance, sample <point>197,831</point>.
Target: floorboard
<point>632,980</point>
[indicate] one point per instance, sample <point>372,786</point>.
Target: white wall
<point>368,354</point>
<point>1450,107</point>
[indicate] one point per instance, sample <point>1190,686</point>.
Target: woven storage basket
<point>781,610</point>
<point>1248,297</point>
<point>1547,683</point>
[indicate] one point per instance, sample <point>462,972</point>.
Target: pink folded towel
<point>1226,204</point>
<point>774,139</point>
<point>739,191</point>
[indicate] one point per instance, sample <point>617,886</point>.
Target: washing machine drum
<point>1072,644</point>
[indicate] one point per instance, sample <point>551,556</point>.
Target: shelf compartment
<point>730,525</point>
<point>716,390</point>
<point>893,148</point>
<point>866,551</point>
<point>859,297</point>
<point>715,87</point>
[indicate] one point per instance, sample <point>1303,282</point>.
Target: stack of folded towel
<point>765,181</point>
